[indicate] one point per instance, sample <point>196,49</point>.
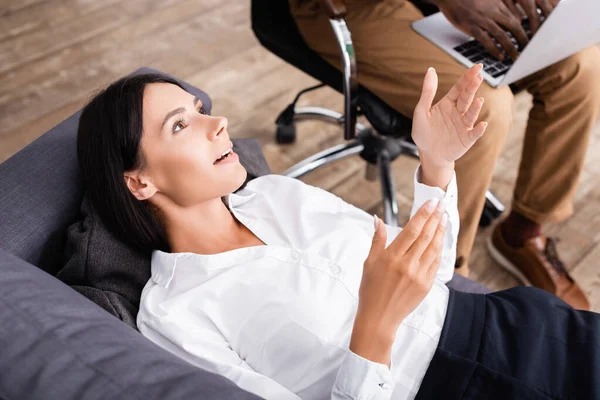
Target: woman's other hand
<point>445,131</point>
<point>396,279</point>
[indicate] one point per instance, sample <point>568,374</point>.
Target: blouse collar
<point>164,264</point>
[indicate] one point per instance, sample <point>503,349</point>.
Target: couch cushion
<point>459,282</point>
<point>112,274</point>
<point>56,344</point>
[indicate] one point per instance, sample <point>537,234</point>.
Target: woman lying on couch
<point>291,292</point>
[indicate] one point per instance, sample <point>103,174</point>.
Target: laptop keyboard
<point>476,53</point>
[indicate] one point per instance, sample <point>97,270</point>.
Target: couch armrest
<point>56,344</point>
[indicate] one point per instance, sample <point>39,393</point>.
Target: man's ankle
<point>517,229</point>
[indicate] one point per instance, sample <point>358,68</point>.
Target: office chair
<point>389,135</point>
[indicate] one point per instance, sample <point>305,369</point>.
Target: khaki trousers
<point>392,60</point>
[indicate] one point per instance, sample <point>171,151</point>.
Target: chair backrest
<point>40,193</point>
<point>276,30</point>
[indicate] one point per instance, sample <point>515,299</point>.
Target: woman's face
<point>181,146</point>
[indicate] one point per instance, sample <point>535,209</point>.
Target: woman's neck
<point>208,228</point>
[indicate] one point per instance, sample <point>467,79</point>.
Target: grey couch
<point>54,342</point>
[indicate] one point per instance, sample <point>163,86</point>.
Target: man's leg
<point>392,60</point>
<point>566,102</point>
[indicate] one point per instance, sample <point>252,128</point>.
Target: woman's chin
<point>234,172</point>
<point>239,176</point>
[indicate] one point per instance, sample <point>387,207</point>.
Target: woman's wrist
<point>436,172</point>
<point>371,342</point>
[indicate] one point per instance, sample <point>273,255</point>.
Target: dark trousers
<point>521,343</point>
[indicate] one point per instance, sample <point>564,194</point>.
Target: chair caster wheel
<point>485,220</point>
<point>488,215</point>
<point>285,133</point>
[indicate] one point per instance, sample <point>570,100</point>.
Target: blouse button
<point>295,256</point>
<point>336,270</point>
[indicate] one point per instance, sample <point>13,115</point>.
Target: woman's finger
<point>430,83</point>
<point>466,97</point>
<point>472,113</point>
<point>433,268</point>
<point>379,239</point>
<point>459,86</point>
<point>427,233</point>
<point>434,251</point>
<point>413,228</point>
<point>478,131</point>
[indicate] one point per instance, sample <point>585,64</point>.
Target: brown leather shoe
<point>537,264</point>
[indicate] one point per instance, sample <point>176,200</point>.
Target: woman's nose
<point>219,127</point>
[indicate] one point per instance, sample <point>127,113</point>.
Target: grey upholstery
<point>55,343</point>
<point>463,284</point>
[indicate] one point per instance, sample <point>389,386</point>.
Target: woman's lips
<point>231,158</point>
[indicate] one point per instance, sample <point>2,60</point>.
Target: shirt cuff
<point>359,378</point>
<point>424,192</point>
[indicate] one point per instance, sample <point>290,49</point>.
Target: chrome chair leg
<point>492,210</point>
<point>409,149</point>
<point>388,190</point>
<point>324,157</point>
<point>493,206</point>
<point>493,202</point>
<point>323,114</point>
<point>348,59</point>
<point>372,172</point>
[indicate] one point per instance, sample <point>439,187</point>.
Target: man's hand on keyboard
<point>493,22</point>
<point>531,10</point>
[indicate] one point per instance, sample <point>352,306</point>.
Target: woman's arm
<point>397,277</point>
<point>422,192</point>
<point>447,194</point>
<point>357,378</point>
<point>210,351</point>
<point>443,133</point>
<point>434,175</point>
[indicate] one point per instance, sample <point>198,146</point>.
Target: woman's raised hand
<point>445,131</point>
<point>396,279</point>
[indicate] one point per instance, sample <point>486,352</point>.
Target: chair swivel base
<point>379,151</point>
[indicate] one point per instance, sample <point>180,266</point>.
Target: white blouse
<point>277,319</point>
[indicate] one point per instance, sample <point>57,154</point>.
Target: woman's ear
<point>140,186</point>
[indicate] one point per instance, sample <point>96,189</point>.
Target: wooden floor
<point>55,53</point>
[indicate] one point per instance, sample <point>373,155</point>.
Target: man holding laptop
<point>542,46</point>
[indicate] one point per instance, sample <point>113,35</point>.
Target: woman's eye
<point>179,125</point>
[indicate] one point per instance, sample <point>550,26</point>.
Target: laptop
<point>572,26</point>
